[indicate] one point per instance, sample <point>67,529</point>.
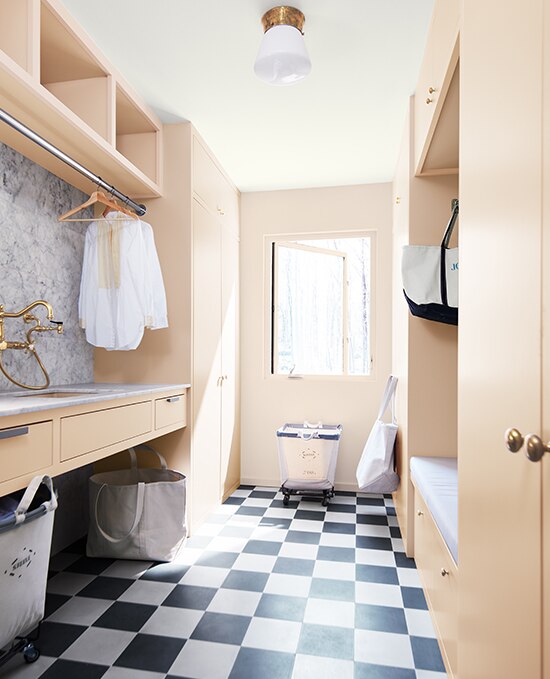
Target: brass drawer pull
<point>173,399</point>
<point>444,572</point>
<point>12,433</point>
<point>428,100</point>
<point>431,90</point>
<point>420,513</point>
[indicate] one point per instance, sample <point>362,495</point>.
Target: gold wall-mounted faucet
<point>28,346</point>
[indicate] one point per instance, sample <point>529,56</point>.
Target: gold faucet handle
<point>59,325</point>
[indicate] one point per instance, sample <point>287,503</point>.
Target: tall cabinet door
<point>207,369</point>
<point>500,527</point>
<point>230,415</point>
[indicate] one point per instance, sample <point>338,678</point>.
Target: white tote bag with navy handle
<point>375,471</point>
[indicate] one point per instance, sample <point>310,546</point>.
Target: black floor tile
<point>251,511</point>
<point>78,547</point>
<point>243,486</point>
<point>334,642</point>
<point>281,607</point>
<point>334,590</point>
<point>368,542</point>
<point>372,519</point>
<point>217,559</point>
<point>413,597</point>
<point>263,494</point>
<point>395,532</point>
<point>106,588</point>
<point>345,493</point>
<point>380,618</point>
<point>274,522</point>
<point>188,596</point>
<point>246,580</point>
<point>294,566</point>
<point>125,616</point>
<point>234,501</point>
<point>310,515</point>
<point>165,572</point>
<point>342,509</point>
<point>379,574</point>
<point>426,654</point>
<point>342,554</point>
<point>56,637</point>
<point>391,511</point>
<point>267,547</point>
<point>67,669</point>
<point>53,602</point>
<point>150,653</point>
<point>222,628</point>
<point>342,528</point>
<point>403,561</point>
<point>372,501</point>
<point>279,504</point>
<point>303,536</point>
<point>252,663</point>
<point>368,671</point>
<point>89,566</point>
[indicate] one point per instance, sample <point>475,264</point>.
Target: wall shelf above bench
<point>53,79</point>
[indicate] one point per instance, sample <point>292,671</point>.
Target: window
<point>321,305</point>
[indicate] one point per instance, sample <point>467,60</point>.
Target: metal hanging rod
<point>40,141</point>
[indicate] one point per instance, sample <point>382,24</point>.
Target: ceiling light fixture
<point>282,58</point>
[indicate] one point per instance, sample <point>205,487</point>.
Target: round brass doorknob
<point>513,440</point>
<point>535,447</point>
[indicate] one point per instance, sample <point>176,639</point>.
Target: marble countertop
<point>24,401</point>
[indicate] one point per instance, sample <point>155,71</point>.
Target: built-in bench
<point>435,480</point>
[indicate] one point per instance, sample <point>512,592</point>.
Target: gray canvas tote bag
<point>137,513</point>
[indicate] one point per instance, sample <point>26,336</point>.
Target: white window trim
<point>268,241</point>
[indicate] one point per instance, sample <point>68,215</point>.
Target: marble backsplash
<point>41,259</point>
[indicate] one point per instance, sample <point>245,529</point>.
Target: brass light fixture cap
<point>283,16</point>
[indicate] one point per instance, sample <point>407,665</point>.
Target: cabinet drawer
<point>25,449</point>
<point>81,434</point>
<point>170,411</point>
<point>432,560</point>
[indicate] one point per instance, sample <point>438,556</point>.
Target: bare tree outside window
<point>321,306</point>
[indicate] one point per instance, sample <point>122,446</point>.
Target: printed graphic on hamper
<point>20,563</point>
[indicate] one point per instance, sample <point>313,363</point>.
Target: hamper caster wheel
<point>31,653</point>
<point>286,500</point>
<point>324,502</point>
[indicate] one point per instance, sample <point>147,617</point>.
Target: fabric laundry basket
<point>25,542</point>
<point>308,455</point>
<point>137,513</point>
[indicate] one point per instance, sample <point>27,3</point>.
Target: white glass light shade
<point>282,58</point>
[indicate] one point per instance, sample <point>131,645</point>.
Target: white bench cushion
<point>437,479</point>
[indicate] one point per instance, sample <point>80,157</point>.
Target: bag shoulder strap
<point>29,494</point>
<point>388,397</point>
<point>133,456</point>
<point>450,226</point>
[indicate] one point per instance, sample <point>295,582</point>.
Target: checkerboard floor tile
<point>261,590</point>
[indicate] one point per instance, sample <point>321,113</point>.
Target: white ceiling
<point>193,60</point>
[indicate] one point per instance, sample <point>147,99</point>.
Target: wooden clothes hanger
<point>96,197</point>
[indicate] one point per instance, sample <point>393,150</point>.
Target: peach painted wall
<point>267,401</point>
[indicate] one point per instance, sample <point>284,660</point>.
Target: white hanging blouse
<point>121,291</point>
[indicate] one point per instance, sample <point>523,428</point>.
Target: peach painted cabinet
<point>504,350</point>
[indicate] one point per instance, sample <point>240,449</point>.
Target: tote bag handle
<point>137,515</point>
<point>387,398</point>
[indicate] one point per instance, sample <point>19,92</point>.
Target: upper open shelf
<point>55,81</point>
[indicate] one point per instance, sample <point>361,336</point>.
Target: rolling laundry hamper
<point>307,459</point>
<point>26,524</point>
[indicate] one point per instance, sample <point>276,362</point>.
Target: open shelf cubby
<point>16,32</point>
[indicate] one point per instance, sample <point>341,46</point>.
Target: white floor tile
<point>373,531</point>
<point>378,595</point>
<point>258,563</point>
<point>68,583</point>
<point>80,610</point>
<point>127,569</point>
<point>408,577</point>
<point>397,545</point>
<point>235,602</point>
<point>241,492</point>
<point>223,544</point>
<point>205,660</point>
<point>187,556</point>
<point>373,510</point>
<point>426,674</point>
<point>273,635</point>
<point>257,502</point>
<point>16,668</point>
<point>297,550</point>
<point>269,533</point>
<point>127,673</point>
<point>307,525</point>
<point>226,510</point>
<point>383,648</point>
<point>375,557</point>
<point>341,517</point>
<point>205,576</point>
<point>244,520</point>
<point>289,585</point>
<point>210,529</point>
<point>337,540</point>
<point>392,521</point>
<point>169,621</point>
<point>147,592</point>
<point>334,570</point>
<point>331,613</point>
<point>267,489</point>
<point>344,500</point>
<point>419,623</point>
<point>97,642</point>
<point>312,667</point>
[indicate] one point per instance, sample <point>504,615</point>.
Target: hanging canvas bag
<point>375,471</point>
<point>430,277</point>
<point>137,513</point>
